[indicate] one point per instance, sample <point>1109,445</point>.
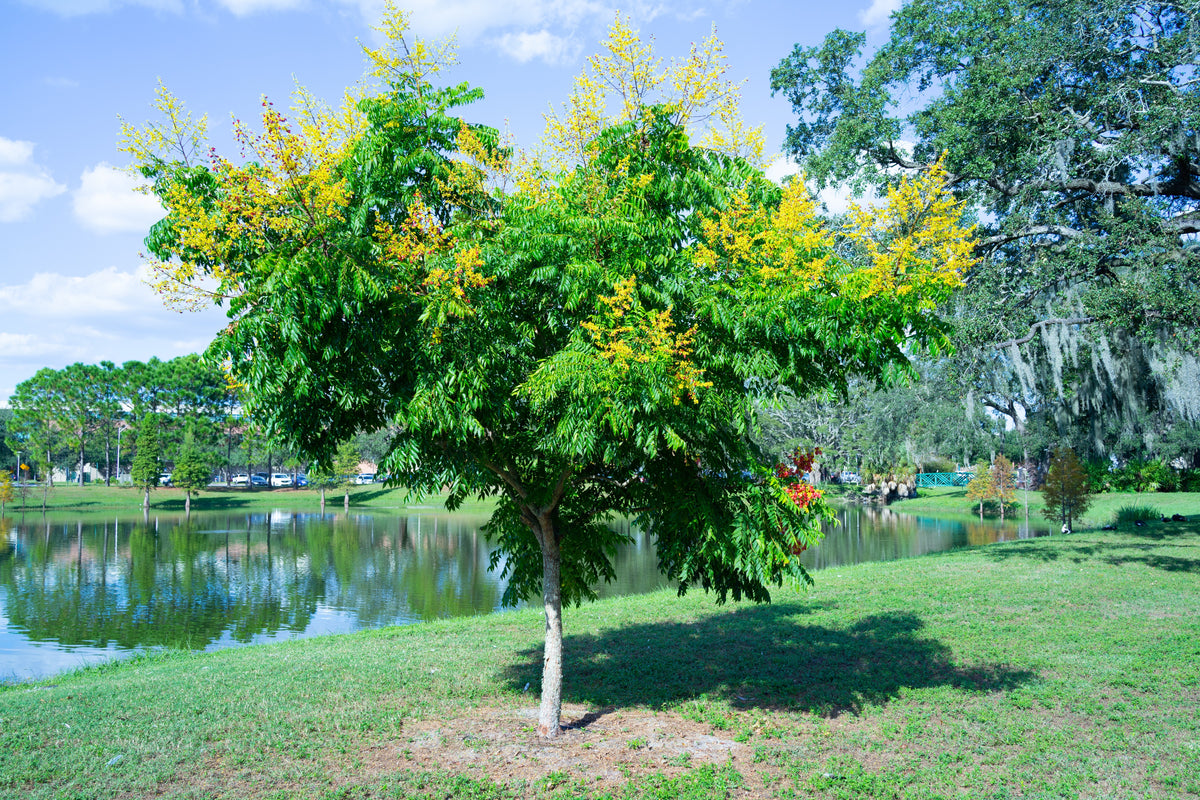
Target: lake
<point>77,590</point>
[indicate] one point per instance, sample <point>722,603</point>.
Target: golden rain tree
<point>581,331</point>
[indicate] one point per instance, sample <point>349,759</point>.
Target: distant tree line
<point>90,414</point>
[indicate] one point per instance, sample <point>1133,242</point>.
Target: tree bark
<point>187,504</point>
<point>146,498</point>
<point>550,713</point>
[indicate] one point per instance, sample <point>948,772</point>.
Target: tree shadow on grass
<point>1118,553</point>
<point>761,657</point>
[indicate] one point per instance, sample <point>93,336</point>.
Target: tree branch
<point>1033,329</point>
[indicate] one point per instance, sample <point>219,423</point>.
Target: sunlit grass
<point>1055,667</point>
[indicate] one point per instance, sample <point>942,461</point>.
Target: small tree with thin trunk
<point>979,490</point>
<point>1065,494</point>
<point>191,473</point>
<point>584,334</point>
<point>6,489</point>
<point>1003,484</point>
<point>147,464</point>
<point>345,469</point>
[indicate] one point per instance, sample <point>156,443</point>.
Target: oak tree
<point>1069,128</point>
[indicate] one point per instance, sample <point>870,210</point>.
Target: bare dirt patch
<point>603,749</point>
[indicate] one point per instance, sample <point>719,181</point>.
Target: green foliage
<point>1085,309</point>
<point>1139,475</point>
<point>147,461</point>
<point>6,489</point>
<point>1131,514</point>
<point>1065,492</point>
<point>192,470</point>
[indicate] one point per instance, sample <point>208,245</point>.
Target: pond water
<point>77,590</point>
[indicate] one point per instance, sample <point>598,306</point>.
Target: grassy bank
<point>947,500</point>
<point>97,497</point>
<point>1064,667</point>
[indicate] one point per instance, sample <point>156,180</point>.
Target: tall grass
<point>1131,514</point>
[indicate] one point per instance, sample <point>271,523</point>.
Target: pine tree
<point>147,464</point>
<point>1066,494</point>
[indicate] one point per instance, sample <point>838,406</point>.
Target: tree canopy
<point>584,330</point>
<point>1070,127</point>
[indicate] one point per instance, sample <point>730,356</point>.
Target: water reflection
<point>77,591</point>
<point>870,533</point>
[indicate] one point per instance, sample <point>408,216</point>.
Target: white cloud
<point>878,12</point>
<point>53,320</point>
<point>524,29</point>
<point>836,199</point>
<point>14,153</point>
<point>107,201</point>
<point>543,45</point>
<point>75,8</point>
<point>23,184</point>
<point>109,292</point>
<point>242,8</point>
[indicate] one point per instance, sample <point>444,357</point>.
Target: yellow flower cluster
<point>401,59</point>
<point>915,244</point>
<point>420,236</point>
<point>453,284</point>
<point>284,197</point>
<point>788,244</point>
<point>625,334</point>
<point>626,77</point>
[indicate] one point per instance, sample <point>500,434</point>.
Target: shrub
<point>1140,476</point>
<point>1131,514</point>
<point>1189,480</point>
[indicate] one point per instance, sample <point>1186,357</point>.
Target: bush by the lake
<point>1130,514</point>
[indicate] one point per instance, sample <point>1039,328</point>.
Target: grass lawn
<point>97,497</point>
<point>943,500</point>
<point>1061,667</point>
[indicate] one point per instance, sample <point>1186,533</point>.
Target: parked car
<point>281,479</point>
<point>164,479</point>
<point>850,477</point>
<point>260,479</point>
<point>240,479</point>
<point>364,477</point>
<point>302,480</point>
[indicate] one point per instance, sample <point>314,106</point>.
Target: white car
<point>280,479</point>
<point>364,478</point>
<point>241,479</point>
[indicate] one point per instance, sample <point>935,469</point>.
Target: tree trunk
<point>146,499</point>
<point>346,500</point>
<point>322,499</point>
<point>550,714</point>
<point>187,503</point>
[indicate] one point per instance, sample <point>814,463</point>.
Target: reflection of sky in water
<point>80,592</point>
<point>22,660</point>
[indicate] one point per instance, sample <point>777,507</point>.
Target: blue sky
<point>71,282</point>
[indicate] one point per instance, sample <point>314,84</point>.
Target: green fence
<point>944,478</point>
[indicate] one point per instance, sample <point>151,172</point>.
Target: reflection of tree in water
<point>134,586</point>
<point>871,533</point>
<point>224,578</point>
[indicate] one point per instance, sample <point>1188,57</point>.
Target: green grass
<point>97,497</point>
<point>1056,667</point>
<point>953,501</point>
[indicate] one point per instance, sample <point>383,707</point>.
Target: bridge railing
<point>944,478</point>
